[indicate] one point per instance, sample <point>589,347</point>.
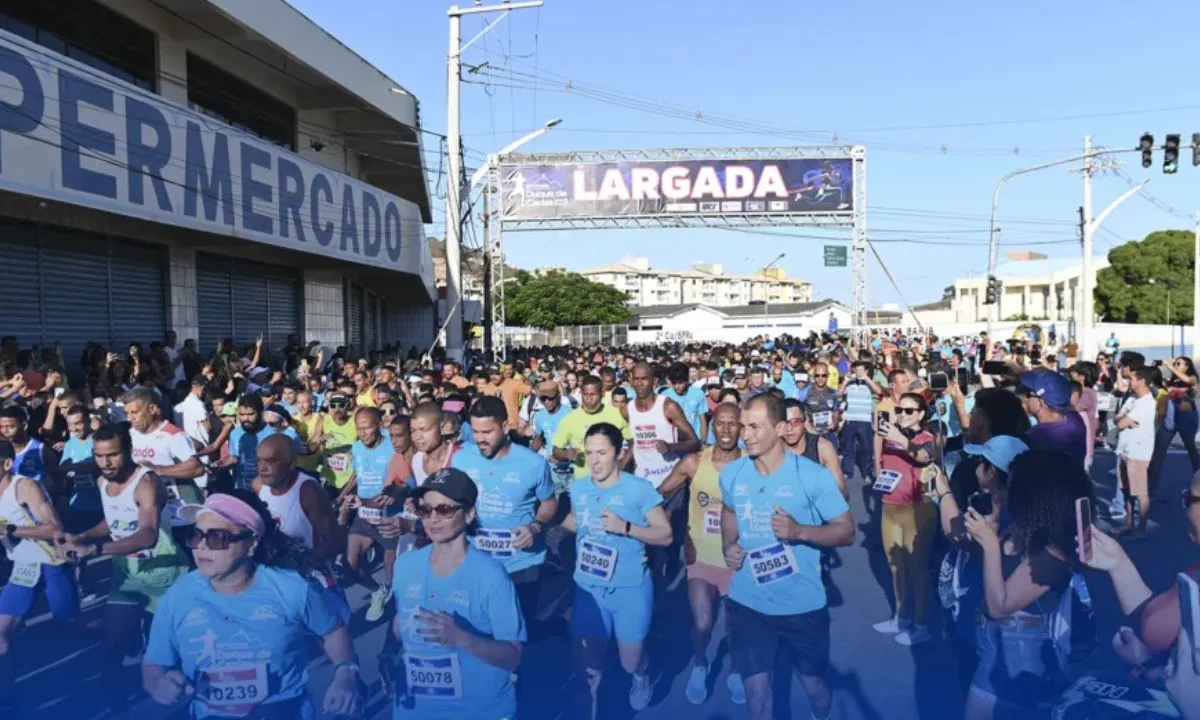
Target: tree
<point>1134,288</point>
<point>557,299</point>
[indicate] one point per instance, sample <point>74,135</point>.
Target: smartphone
<point>963,378</point>
<point>1083,529</point>
<point>982,503</point>
<point>885,418</point>
<point>938,381</point>
<point>1189,605</point>
<point>59,391</point>
<point>995,367</point>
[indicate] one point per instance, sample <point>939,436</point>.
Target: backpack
<point>1073,623</point>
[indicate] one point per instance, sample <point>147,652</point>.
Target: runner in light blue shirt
<point>779,511</point>
<point>546,418</point>
<point>690,398</point>
<point>458,628</point>
<point>615,515</point>
<point>516,498</point>
<point>368,493</point>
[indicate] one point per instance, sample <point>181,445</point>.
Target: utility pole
<point>488,300</point>
<point>1085,280</point>
<point>454,187</point>
<point>1196,290</point>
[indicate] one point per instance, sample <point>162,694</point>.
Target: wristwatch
<point>536,527</point>
<point>350,665</point>
<point>628,528</point>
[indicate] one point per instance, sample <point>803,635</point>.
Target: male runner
<point>568,438</point>
<point>778,511</point>
<point>145,558</point>
<point>27,523</point>
<point>516,499</point>
<point>369,492</point>
<point>820,450</point>
<point>707,575</point>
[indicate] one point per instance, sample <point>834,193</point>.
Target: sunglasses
<point>907,410</point>
<point>548,398</point>
<point>388,411</point>
<point>216,539</point>
<point>338,405</point>
<point>821,376</point>
<point>1189,499</point>
<point>442,511</point>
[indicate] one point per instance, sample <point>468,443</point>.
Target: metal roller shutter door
<point>20,287</point>
<point>75,298</point>
<point>250,312</point>
<point>371,324</point>
<point>214,295</point>
<point>283,297</point>
<point>354,332</point>
<point>138,305</point>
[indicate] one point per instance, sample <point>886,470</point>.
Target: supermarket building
<point>221,168</point>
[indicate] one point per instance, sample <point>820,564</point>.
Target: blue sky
<point>947,97</point>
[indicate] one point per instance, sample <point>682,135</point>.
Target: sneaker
<point>697,685</point>
<point>379,600</point>
<point>891,626</point>
<point>737,689</point>
<point>640,692</point>
<point>915,636</point>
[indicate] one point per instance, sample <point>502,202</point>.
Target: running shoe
<point>697,685</point>
<point>640,692</point>
<point>379,600</point>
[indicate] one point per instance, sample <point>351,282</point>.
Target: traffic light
<point>1147,146</point>
<point>993,291</point>
<point>1171,155</point>
<point>1195,149</point>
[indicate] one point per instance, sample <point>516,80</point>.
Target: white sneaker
<point>640,692</point>
<point>737,689</point>
<point>379,600</point>
<point>697,685</point>
<point>915,636</point>
<point>892,626</point>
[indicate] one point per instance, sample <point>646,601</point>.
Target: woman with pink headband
<point>230,637</point>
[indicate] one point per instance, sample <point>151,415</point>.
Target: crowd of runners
<point>230,500</point>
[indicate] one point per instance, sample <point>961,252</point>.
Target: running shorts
<point>601,612</point>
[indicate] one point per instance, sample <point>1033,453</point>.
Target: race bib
<point>597,560</point>
<point>338,463</point>
<point>233,691</point>
<point>436,677</point>
<point>370,514</point>
<point>712,521</point>
<point>497,543</point>
<point>822,419</point>
<point>771,563</point>
<point>171,510</point>
<point>887,481</point>
<point>26,575</point>
<point>1104,402</point>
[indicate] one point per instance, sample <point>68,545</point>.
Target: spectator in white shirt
<point>191,416</point>
<point>1135,447</point>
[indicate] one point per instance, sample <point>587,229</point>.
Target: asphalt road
<point>873,677</point>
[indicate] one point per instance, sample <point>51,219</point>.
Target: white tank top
<point>11,512</point>
<point>418,465</point>
<point>288,512</point>
<point>121,511</point>
<point>648,428</point>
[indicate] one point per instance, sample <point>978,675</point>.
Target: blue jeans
<point>1018,666</point>
<point>858,448</point>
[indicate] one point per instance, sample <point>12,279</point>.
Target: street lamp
<point>477,177</point>
<point>766,296</point>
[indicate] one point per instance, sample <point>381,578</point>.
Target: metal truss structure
<point>855,218</point>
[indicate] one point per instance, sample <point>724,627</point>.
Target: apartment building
<point>703,283</point>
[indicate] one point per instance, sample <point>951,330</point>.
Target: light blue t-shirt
<point>860,402</point>
<point>613,560</point>
<point>545,423</point>
<point>694,404</point>
<point>779,578</point>
<point>240,651</point>
<point>244,446</point>
<point>447,683</point>
<point>510,488</point>
<point>787,383</point>
<point>946,411</point>
<point>371,466</point>
<point>76,450</point>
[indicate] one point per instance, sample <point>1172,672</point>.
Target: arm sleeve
<point>162,648</point>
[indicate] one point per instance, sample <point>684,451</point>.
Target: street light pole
<point>454,209</point>
<point>1196,289</point>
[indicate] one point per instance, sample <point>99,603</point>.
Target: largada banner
<point>664,188</point>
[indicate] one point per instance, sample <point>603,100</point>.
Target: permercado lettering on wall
<point>71,133</point>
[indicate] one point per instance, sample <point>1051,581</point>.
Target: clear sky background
<point>946,96</point>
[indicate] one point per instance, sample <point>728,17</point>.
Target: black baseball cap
<point>453,483</point>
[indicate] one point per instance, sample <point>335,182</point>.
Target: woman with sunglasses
<point>458,629</point>
<point>230,638</point>
<point>909,520</point>
<point>615,515</point>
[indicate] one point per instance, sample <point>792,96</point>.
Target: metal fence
<point>573,335</point>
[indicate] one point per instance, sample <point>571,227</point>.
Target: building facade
<point>1032,288</point>
<point>222,168</point>
<point>704,283</point>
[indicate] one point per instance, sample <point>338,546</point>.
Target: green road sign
<point>835,256</point>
